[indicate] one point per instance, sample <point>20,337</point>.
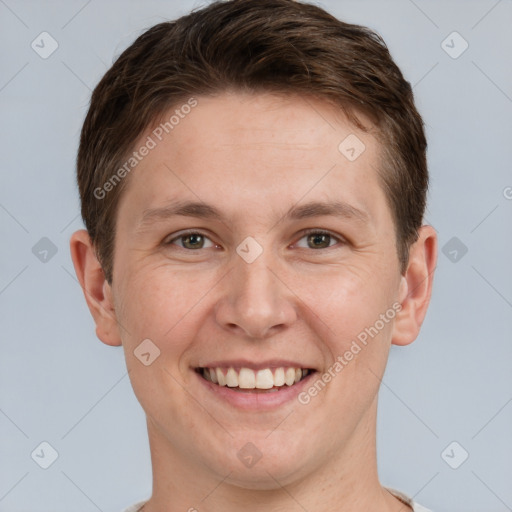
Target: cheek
<point>348,302</point>
<point>347,317</point>
<point>158,306</point>
<point>153,303</point>
<point>168,305</point>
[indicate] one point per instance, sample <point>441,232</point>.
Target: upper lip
<point>253,365</point>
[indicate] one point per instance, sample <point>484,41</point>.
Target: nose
<point>256,302</point>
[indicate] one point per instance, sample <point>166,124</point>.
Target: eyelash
<point>304,233</point>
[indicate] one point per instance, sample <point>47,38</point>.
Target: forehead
<point>232,121</point>
<point>237,149</point>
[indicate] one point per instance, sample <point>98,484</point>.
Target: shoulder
<point>136,507</point>
<point>408,501</point>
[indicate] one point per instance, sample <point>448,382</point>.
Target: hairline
<point>284,91</point>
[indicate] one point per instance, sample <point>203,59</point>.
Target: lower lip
<point>256,401</point>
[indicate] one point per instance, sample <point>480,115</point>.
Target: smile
<point>265,379</point>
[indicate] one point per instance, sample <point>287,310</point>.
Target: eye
<point>319,239</point>
<point>191,240</point>
<point>315,239</point>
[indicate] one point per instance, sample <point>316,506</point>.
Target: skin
<point>254,157</point>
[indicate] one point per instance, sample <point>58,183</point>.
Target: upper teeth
<point>249,379</point>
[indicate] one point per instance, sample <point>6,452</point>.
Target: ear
<point>416,287</point>
<point>97,291</point>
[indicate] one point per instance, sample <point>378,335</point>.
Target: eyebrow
<point>202,210</point>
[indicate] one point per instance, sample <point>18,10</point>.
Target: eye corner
<point>340,241</point>
<point>170,240</point>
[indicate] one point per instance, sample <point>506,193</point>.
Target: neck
<point>345,483</point>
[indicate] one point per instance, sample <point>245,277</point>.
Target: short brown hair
<point>281,46</point>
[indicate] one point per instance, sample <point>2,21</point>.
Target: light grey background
<point>60,384</point>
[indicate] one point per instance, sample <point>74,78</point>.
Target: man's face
<point>252,288</point>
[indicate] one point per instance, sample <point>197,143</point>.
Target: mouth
<point>247,380</point>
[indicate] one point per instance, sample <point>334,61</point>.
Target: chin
<point>252,469</point>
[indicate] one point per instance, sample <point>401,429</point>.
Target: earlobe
<point>416,287</point>
<point>97,291</point>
